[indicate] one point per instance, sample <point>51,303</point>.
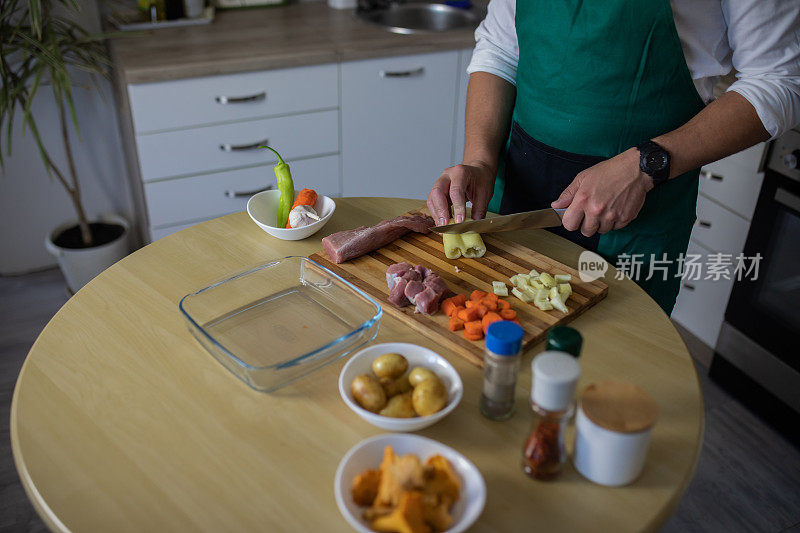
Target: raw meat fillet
<point>412,289</point>
<point>355,242</point>
<point>397,294</point>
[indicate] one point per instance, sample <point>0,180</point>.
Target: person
<point>606,108</point>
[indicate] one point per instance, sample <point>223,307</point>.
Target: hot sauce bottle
<point>555,375</point>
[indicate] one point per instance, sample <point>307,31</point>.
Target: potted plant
<point>38,48</point>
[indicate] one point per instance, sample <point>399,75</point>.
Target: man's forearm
<point>490,100</point>
<point>726,126</point>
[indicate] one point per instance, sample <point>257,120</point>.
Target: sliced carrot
<point>455,324</point>
<point>492,296</point>
<point>508,314</point>
<point>473,327</point>
<point>459,299</point>
<point>482,310</point>
<point>503,304</point>
<point>470,303</point>
<point>490,304</point>
<point>449,307</point>
<point>469,314</point>
<point>473,337</point>
<point>488,319</point>
<point>477,295</point>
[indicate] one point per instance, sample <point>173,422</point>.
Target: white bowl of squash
<point>397,397</point>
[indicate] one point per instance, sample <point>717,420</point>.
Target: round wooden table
<point>121,421</point>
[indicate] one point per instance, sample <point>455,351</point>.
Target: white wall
<point>31,202</point>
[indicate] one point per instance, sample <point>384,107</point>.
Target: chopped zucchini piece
<point>513,280</point>
<point>453,245</point>
<point>499,288</point>
<point>536,284</point>
<point>563,277</point>
<point>556,301</point>
<point>565,290</point>
<point>473,246</point>
<point>533,274</point>
<point>541,294</point>
<point>547,280</point>
<point>544,305</point>
<point>521,295</point>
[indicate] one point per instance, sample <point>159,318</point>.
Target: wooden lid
<point>619,407</point>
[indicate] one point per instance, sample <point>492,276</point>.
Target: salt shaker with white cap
<point>555,375</point>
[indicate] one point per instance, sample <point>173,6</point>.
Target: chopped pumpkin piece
<point>409,517</point>
<point>365,487</point>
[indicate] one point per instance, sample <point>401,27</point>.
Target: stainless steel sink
<point>421,17</point>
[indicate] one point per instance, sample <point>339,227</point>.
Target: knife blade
<point>541,218</point>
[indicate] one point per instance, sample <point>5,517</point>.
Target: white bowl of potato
<point>413,395</point>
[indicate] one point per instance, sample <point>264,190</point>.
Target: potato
<point>393,387</point>
<point>429,397</point>
<point>390,365</point>
<point>399,406</point>
<point>368,393</point>
<point>419,374</point>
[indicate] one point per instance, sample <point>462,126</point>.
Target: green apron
<point>596,77</point>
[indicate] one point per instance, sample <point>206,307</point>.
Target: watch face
<point>656,160</point>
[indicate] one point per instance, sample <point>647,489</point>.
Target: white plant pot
<point>80,265</point>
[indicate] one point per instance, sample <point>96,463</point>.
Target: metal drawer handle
<point>241,194</point>
<point>402,73</point>
<point>704,223</point>
<point>242,147</point>
<point>241,99</point>
<point>689,286</point>
<point>711,176</point>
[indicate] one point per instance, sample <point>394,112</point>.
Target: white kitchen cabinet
<point>205,196</point>
<point>210,100</point>
<point>464,57</point>
<point>227,146</point>
<point>397,117</point>
<point>701,303</point>
<point>197,140</point>
<point>729,190</point>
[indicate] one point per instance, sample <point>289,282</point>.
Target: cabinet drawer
<point>701,304</point>
<point>719,229</point>
<point>198,101</point>
<point>397,123</point>
<point>227,146</point>
<point>735,181</point>
<point>180,200</point>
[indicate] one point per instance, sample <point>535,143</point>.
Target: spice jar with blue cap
<point>500,369</point>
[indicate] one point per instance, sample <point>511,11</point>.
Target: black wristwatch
<point>654,161</point>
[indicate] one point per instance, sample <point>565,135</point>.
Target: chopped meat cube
<point>397,295</point>
<point>412,289</point>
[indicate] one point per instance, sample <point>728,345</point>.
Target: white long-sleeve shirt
<point>759,38</point>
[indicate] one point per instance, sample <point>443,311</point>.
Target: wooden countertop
<point>268,38</point>
<point>121,421</point>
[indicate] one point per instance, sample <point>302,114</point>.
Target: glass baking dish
<point>277,322</point>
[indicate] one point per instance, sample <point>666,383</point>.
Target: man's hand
<point>473,181</point>
<point>607,196</point>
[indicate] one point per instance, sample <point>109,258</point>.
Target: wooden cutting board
<point>503,259</point>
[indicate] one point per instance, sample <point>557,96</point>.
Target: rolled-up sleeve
<point>496,50</point>
<point>765,38</point>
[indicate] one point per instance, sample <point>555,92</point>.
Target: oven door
<point>766,307</point>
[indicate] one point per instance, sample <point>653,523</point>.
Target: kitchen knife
<point>542,218</point>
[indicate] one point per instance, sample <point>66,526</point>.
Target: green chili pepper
<point>285,186</point>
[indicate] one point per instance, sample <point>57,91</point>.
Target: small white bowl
<point>361,363</point>
<point>263,209</point>
<point>368,454</point>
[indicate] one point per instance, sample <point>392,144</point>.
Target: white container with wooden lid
<point>613,427</point>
